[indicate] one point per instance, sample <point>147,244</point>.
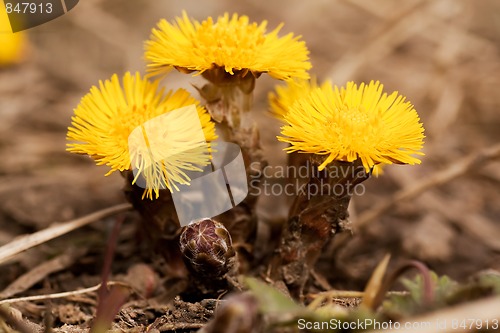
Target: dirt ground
<point>444,55</point>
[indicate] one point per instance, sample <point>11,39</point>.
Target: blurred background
<point>442,54</point>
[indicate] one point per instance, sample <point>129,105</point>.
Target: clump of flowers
<point>353,123</point>
<point>107,115</point>
<point>231,43</point>
<point>354,128</point>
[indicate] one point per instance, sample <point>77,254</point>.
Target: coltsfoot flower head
<point>13,45</point>
<point>105,118</point>
<point>230,43</point>
<point>354,122</point>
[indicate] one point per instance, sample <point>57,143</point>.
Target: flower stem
<point>228,99</point>
<point>160,223</point>
<point>318,213</point>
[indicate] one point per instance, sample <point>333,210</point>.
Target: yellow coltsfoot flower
<point>106,117</point>
<point>229,47</point>
<point>354,122</point>
<point>12,45</point>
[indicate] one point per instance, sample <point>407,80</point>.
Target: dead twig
<point>14,319</point>
<point>408,23</point>
<point>63,294</point>
<point>469,41</point>
<point>453,171</point>
<point>173,327</point>
<point>26,242</point>
<point>348,294</point>
<point>38,273</point>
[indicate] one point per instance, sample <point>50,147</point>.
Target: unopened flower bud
<point>207,248</point>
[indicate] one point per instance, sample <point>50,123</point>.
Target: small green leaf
<point>411,304</point>
<point>271,299</point>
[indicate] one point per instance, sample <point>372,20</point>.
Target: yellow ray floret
<point>285,95</point>
<point>231,42</point>
<point>105,118</point>
<point>354,122</point>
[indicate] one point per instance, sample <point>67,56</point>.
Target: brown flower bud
<point>207,248</point>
